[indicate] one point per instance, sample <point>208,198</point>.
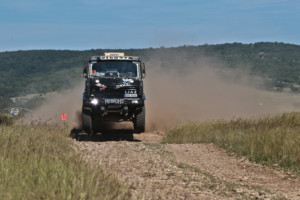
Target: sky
<point>98,24</point>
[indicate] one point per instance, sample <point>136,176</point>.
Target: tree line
<point>42,71</point>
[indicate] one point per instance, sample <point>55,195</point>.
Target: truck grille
<point>110,92</point>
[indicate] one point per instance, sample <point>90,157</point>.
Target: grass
<point>6,119</point>
<point>38,162</point>
<point>269,141</point>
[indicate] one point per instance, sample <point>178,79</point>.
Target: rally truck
<point>114,91</point>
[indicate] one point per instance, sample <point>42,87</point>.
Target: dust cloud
<point>201,90</point>
<point>180,89</point>
<point>55,104</point>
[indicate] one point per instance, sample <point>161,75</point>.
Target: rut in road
<point>184,171</point>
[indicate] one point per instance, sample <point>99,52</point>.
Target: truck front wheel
<point>139,121</point>
<point>87,123</point>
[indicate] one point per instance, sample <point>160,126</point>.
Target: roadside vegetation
<point>272,141</point>
<point>6,119</point>
<point>38,162</point>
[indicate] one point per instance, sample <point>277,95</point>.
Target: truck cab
<point>114,91</point>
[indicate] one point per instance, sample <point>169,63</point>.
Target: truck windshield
<point>115,69</point>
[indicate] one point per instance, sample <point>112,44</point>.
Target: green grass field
<point>38,162</point>
<point>269,141</point>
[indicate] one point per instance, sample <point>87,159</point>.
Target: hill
<point>42,71</point>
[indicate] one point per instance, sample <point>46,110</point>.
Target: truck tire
<point>87,123</point>
<point>139,122</point>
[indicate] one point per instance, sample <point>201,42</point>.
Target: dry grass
<point>38,162</point>
<point>270,141</point>
<point>6,119</point>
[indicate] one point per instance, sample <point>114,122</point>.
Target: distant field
<point>273,141</point>
<point>31,96</point>
<point>38,162</point>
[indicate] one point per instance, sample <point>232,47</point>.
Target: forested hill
<point>41,71</point>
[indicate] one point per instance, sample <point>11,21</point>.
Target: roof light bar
<point>114,54</point>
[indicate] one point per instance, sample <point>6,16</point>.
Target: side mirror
<point>143,70</point>
<point>85,69</point>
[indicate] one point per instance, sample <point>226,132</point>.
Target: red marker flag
<point>64,116</point>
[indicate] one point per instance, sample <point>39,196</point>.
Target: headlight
<point>94,101</point>
<point>135,101</point>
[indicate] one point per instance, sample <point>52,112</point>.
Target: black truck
<point>114,91</point>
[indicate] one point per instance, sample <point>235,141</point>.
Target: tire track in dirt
<point>184,171</point>
<point>221,164</point>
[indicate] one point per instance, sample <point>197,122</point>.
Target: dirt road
<point>184,171</point>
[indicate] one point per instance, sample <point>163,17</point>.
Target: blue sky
<point>87,24</point>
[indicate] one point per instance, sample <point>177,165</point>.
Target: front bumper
<point>113,104</point>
